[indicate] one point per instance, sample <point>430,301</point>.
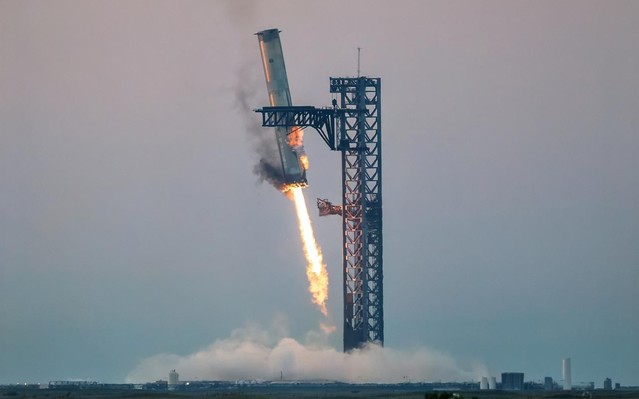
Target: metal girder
<point>360,143</point>
<point>321,119</point>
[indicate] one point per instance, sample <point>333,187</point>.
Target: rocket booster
<point>280,96</point>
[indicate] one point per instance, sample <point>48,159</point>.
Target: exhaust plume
<point>252,354</point>
<point>267,168</point>
<point>315,269</point>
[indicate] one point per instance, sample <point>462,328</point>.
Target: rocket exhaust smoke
<point>251,353</point>
<point>268,168</point>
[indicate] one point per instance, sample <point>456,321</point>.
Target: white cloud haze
<point>252,353</point>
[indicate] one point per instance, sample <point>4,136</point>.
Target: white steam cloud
<point>252,354</point>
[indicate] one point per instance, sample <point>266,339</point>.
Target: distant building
<point>608,384</point>
<point>566,373</point>
<point>484,383</point>
<point>492,383</point>
<point>548,384</point>
<point>174,379</point>
<point>512,381</point>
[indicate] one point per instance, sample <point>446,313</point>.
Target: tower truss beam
<point>321,119</point>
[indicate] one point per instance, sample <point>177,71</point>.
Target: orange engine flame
<point>316,269</point>
<point>304,161</point>
<point>296,137</point>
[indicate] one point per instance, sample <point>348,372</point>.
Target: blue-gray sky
<point>131,224</point>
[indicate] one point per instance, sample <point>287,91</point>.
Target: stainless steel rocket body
<point>279,95</point>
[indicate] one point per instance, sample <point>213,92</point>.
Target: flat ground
<point>334,392</point>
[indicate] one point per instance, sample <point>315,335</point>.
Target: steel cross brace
<point>320,119</point>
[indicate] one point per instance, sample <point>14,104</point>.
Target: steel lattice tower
<point>359,134</point>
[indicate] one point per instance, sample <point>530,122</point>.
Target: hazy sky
<point>131,224</point>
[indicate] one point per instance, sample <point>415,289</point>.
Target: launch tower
<point>353,127</point>
<point>360,134</point>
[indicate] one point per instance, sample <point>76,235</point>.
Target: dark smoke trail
<point>267,167</point>
<point>269,173</point>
